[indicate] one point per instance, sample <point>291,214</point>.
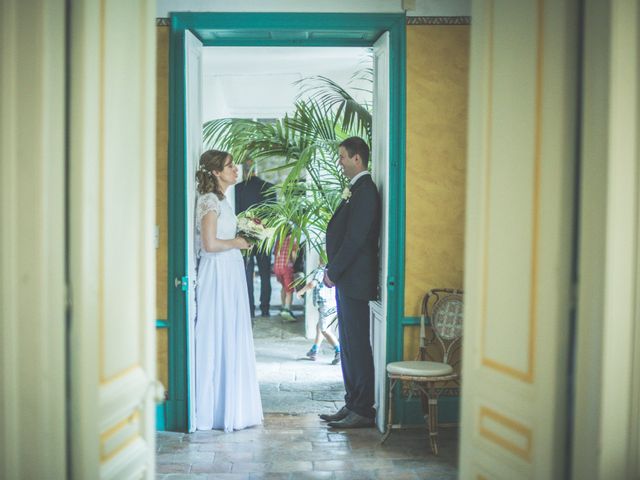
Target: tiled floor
<point>302,447</point>
<point>289,381</point>
<point>294,443</point>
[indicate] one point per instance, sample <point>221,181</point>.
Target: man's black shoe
<point>339,415</point>
<point>353,420</point>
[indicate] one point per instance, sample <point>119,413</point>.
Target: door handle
<point>182,283</point>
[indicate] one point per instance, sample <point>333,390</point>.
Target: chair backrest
<point>444,308</point>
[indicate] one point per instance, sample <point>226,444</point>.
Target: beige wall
<point>437,90</point>
<point>162,145</point>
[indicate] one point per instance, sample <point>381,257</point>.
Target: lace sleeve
<point>207,203</point>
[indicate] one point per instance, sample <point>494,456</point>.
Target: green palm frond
<point>306,144</point>
<point>331,96</point>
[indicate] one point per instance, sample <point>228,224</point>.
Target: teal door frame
<point>277,29</point>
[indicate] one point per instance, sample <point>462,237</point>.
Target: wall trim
<point>438,20</point>
<point>422,20</point>
<point>409,321</point>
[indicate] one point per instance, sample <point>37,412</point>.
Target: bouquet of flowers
<point>253,230</point>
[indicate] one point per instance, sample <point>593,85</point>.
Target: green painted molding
<point>279,29</point>
<point>411,414</point>
<point>408,321</point>
<point>286,29</point>
<point>397,182</point>
<point>161,414</point>
<point>176,413</point>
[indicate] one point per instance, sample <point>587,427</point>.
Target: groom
<point>352,250</point>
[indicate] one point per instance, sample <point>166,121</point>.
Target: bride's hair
<point>206,181</point>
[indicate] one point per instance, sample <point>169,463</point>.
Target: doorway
<point>268,86</point>
<point>256,29</point>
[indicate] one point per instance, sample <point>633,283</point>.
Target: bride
<point>227,394</point>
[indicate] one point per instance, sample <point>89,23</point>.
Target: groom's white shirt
<point>355,179</point>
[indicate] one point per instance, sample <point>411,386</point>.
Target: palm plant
<point>305,145</point>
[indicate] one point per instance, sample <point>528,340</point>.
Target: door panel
<point>380,173</point>
<point>518,239</point>
<point>111,247</point>
<point>193,94</point>
<point>32,240</point>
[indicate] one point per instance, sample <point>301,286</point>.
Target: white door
<point>33,324</point>
<point>520,211</point>
<point>380,173</point>
<point>111,245</point>
<point>193,113</point>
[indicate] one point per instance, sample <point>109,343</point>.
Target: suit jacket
<point>352,242</point>
<point>251,192</point>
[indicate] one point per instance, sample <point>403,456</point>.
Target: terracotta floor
<point>294,443</point>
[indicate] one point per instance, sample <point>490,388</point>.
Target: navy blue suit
<point>248,193</point>
<point>352,251</point>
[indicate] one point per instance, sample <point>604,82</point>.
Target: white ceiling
<point>413,7</point>
<point>258,82</point>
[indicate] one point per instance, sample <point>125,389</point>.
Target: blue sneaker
<point>336,358</point>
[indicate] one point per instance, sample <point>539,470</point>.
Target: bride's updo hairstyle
<point>210,161</point>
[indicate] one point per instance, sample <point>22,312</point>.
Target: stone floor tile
<point>214,467</point>
<point>187,476</point>
<point>178,447</point>
<point>315,455</point>
<point>361,475</point>
<point>290,445</point>
<point>249,467</point>
<point>391,474</point>
<point>229,476</point>
<point>289,466</point>
<point>173,468</point>
<point>164,458</point>
<point>338,437</point>
<point>312,475</point>
<point>241,456</point>
<point>426,474</point>
<point>332,465</point>
<point>371,464</point>
<point>331,445</point>
<point>272,476</point>
<point>219,447</point>
<point>328,396</point>
<point>197,457</point>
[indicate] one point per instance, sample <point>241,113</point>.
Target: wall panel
<point>437,84</point>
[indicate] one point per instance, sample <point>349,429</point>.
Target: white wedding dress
<point>227,394</point>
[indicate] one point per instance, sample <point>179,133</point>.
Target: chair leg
<point>392,384</point>
<point>433,421</point>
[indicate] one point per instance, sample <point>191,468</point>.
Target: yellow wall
<point>437,72</point>
<point>437,91</point>
<point>162,144</point>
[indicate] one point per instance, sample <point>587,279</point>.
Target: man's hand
<point>327,281</point>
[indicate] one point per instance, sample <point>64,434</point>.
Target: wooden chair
<point>443,307</point>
